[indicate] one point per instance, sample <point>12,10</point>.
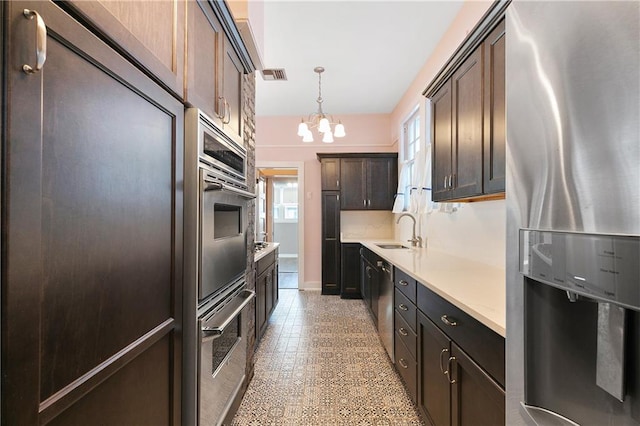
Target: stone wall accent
<point>249,138</point>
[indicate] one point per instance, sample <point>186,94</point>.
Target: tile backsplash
<point>366,224</point>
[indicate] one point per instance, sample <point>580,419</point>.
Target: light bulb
<point>339,132</point>
<point>302,128</point>
<point>308,136</point>
<point>324,126</point>
<point>328,137</point>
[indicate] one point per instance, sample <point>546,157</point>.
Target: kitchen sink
<point>392,246</point>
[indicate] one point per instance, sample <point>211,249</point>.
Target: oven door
<point>223,357</point>
<point>223,235</point>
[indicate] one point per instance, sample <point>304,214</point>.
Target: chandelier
<point>320,120</point>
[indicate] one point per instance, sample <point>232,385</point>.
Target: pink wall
<point>276,140</point>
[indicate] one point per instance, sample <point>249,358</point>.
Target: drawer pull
<point>442,352</point>
<point>403,363</point>
<point>403,307</point>
<point>449,321</point>
<point>403,283</point>
<point>402,331</point>
<point>448,372</point>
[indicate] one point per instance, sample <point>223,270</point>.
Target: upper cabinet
<point>214,69</point>
<point>368,183</point>
<point>468,116</point>
<point>330,174</point>
<point>148,32</point>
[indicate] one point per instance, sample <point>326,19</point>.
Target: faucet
<point>415,241</point>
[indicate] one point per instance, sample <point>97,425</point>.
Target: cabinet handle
<point>445,182</point>
<point>403,307</point>
<point>338,197</point>
<point>449,320</point>
<point>220,113</point>
<point>402,331</point>
<point>403,363</point>
<point>369,203</point>
<point>227,109</point>
<point>364,203</point>
<point>403,283</point>
<point>448,372</point>
<point>41,42</point>
<point>442,352</point>
<point>337,184</point>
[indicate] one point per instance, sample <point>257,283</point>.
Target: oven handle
<point>217,186</point>
<point>214,327</point>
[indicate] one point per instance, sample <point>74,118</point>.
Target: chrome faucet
<point>415,241</point>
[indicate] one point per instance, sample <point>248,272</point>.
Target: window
<point>411,145</point>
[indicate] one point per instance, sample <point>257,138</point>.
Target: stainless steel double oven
<point>216,297</point>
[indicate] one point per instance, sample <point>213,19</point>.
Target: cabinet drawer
<point>485,346</point>
<point>406,366</point>
<point>406,309</point>
<point>406,284</point>
<point>265,262</point>
<point>405,334</point>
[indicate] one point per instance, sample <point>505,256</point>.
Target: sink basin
<point>392,246</point>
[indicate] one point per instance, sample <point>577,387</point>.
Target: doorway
<point>283,218</point>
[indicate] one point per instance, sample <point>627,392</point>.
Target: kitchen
<point>116,321</point>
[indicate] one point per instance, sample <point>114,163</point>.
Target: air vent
<point>273,74</point>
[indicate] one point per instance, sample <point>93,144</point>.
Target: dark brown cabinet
<point>468,125</point>
<point>330,174</point>
<point>494,110</point>
<point>330,242</point>
<point>266,290</point>
<point>370,282</point>
<point>368,183</point>
<point>92,232</point>
<point>350,266</point>
<point>149,32</point>
<point>405,345</point>
<point>214,70</point>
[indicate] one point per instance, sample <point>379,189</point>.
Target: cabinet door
<point>354,183</point>
<point>382,183</point>
<point>274,285</point>
<point>205,41</point>
<point>330,242</point>
<point>261,303</point>
<point>476,398</point>
<point>441,142</point>
<point>150,31</point>
<point>232,78</point>
<point>467,127</point>
<point>350,281</point>
<point>268,291</point>
<point>365,277</point>
<point>92,242</point>
<point>494,110</point>
<point>434,397</point>
<point>330,174</point>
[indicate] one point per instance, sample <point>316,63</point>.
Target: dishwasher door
<point>385,307</point>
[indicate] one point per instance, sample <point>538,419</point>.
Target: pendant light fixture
<point>320,120</point>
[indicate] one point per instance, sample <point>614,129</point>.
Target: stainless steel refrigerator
<point>573,213</point>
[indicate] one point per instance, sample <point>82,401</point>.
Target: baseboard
<point>311,286</point>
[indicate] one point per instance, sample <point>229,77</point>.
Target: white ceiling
<point>371,51</point>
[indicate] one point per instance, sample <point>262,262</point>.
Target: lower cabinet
<point>369,278</point>
<point>450,385</point>
<point>266,290</point>
<point>350,271</point>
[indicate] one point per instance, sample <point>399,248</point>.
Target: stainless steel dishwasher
<point>385,306</point>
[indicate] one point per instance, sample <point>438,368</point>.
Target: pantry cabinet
<point>92,233</point>
<point>330,174</point>
<point>330,242</point>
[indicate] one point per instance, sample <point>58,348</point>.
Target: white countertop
<point>476,288</point>
<point>265,251</point>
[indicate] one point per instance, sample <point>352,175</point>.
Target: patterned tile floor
<point>320,362</point>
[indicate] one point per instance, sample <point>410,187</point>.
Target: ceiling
<point>371,52</point>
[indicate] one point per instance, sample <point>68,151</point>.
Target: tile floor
<point>320,362</point>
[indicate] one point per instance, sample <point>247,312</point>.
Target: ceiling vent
<point>274,74</point>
